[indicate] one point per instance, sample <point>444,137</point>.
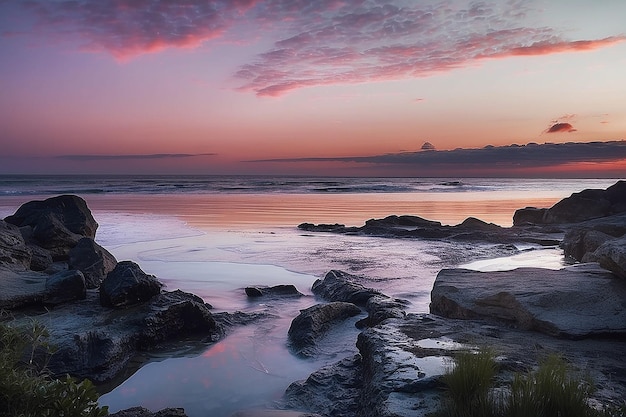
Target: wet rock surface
<point>277,291</point>
<point>313,323</point>
<point>574,302</point>
<point>126,285</point>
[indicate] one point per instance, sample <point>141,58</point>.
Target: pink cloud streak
<point>323,42</point>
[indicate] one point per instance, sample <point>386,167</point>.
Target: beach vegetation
<point>27,389</point>
<point>552,390</point>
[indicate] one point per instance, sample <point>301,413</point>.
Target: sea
<point>216,235</point>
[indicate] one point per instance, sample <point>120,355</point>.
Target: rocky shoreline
<point>101,312</point>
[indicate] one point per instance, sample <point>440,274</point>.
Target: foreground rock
<point>400,363</point>
<point>314,322</point>
<point>126,285</point>
<point>575,302</point>
<point>277,291</point>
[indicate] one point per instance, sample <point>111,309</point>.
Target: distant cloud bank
<point>532,155</point>
<point>130,157</point>
<point>312,43</point>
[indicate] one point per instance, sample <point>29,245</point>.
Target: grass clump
<point>550,391</point>
<point>28,390</point>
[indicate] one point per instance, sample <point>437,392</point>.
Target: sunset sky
<point>316,87</point>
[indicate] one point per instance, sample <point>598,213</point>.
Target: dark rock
<point>172,314</point>
<point>64,287</point>
<point>579,243</point>
<point>56,224</point>
<point>126,285</point>
<point>529,215</point>
<point>611,255</point>
<point>21,288</point>
<point>98,343</point>
<point>579,207</point>
<point>143,412</point>
<point>41,259</point>
<point>334,390</point>
<point>341,286</point>
<point>92,260</point>
<point>393,220</point>
<point>273,413</point>
<point>273,292</point>
<point>381,308</point>
<point>310,227</point>
<point>575,302</point>
<point>314,322</point>
<point>13,250</point>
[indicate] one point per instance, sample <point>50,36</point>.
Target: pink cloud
<point>315,43</point>
<point>561,127</point>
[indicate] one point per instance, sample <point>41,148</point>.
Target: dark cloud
<point>427,146</point>
<point>315,43</point>
<point>561,127</point>
<point>131,157</point>
<point>513,156</point>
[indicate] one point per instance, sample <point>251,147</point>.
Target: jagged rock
<point>341,286</point>
<point>92,260</point>
<point>314,322</point>
<point>56,224</point>
<point>585,205</point>
<point>575,302</point>
<point>272,292</point>
<point>13,250</point>
<point>273,413</point>
<point>97,343</point>
<point>144,412</point>
<point>126,285</point>
<point>334,390</point>
<point>65,286</point>
<point>611,255</point>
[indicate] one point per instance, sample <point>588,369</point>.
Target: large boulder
<point>575,302</point>
<point>314,322</point>
<point>65,286</point>
<point>579,207</point>
<point>21,288</point>
<point>13,250</point>
<point>92,260</point>
<point>611,255</point>
<point>127,284</point>
<point>57,223</point>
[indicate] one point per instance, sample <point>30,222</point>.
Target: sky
<point>313,87</point>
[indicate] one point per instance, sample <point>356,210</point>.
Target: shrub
<point>550,391</point>
<point>29,391</point>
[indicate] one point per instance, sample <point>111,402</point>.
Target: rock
<point>273,413</point>
<point>529,215</point>
<point>143,412</point>
<point>341,286</point>
<point>579,207</point>
<point>579,243</point>
<point>611,255</point>
<point>20,289</point>
<point>175,313</point>
<point>399,221</point>
<point>64,287</point>
<point>273,292</point>
<point>56,224</point>
<point>98,343</point>
<point>334,390</point>
<point>41,259</point>
<point>13,250</point>
<point>314,322</point>
<point>575,302</point>
<point>126,285</point>
<point>92,260</point>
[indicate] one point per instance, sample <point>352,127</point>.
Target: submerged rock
<point>273,292</point>
<point>575,302</point>
<point>144,412</point>
<point>314,322</point>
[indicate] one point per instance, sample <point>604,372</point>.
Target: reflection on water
<point>252,367</point>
